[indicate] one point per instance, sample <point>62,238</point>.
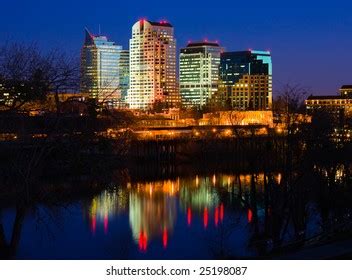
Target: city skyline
<point>207,74</point>
<point>296,36</point>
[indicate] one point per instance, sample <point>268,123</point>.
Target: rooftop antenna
<point>99,30</point>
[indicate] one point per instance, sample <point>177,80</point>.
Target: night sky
<point>311,41</point>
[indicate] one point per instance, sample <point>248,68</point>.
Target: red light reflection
<point>94,224</point>
<point>249,215</point>
<point>189,216</point>
<point>106,223</point>
<point>205,217</point>
<point>143,241</point>
<point>216,216</point>
<point>221,212</point>
<point>165,238</point>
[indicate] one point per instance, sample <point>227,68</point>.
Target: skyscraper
<point>246,80</point>
<point>102,62</point>
<point>152,65</point>
<point>124,74</point>
<point>199,73</point>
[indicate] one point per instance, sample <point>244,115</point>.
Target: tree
<point>27,75</point>
<point>289,105</point>
<point>21,77</point>
<point>61,73</point>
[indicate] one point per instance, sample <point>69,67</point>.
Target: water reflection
<point>105,206</point>
<point>152,211</point>
<point>154,207</point>
<point>202,216</point>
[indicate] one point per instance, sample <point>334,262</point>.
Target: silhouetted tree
<point>27,75</point>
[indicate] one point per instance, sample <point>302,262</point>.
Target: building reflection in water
<point>199,198</point>
<point>104,207</point>
<point>153,206</point>
<point>152,211</point>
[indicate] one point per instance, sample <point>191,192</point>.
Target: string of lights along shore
<point>145,76</point>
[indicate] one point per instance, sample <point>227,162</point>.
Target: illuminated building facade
<point>339,107</point>
<point>124,73</point>
<point>101,61</point>
<point>246,80</point>
<point>152,65</point>
<point>199,73</point>
<point>346,91</point>
<point>238,118</point>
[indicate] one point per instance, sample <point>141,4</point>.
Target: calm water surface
<point>198,217</point>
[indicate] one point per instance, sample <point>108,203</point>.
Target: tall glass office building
<point>103,70</point>
<point>152,65</point>
<point>246,79</point>
<point>199,73</point>
<point>124,74</point>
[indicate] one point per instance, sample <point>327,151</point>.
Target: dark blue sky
<point>311,41</point>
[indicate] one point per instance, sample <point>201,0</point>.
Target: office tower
<point>199,73</point>
<point>101,61</point>
<point>246,80</point>
<point>124,73</point>
<point>152,65</point>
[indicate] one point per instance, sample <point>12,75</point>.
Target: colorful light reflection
<point>143,241</point>
<point>165,238</point>
<point>189,216</point>
<point>249,215</point>
<point>216,216</point>
<point>205,217</point>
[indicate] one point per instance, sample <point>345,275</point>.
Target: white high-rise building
<point>152,65</point>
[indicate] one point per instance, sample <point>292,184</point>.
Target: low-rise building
<point>339,107</point>
<point>346,91</point>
